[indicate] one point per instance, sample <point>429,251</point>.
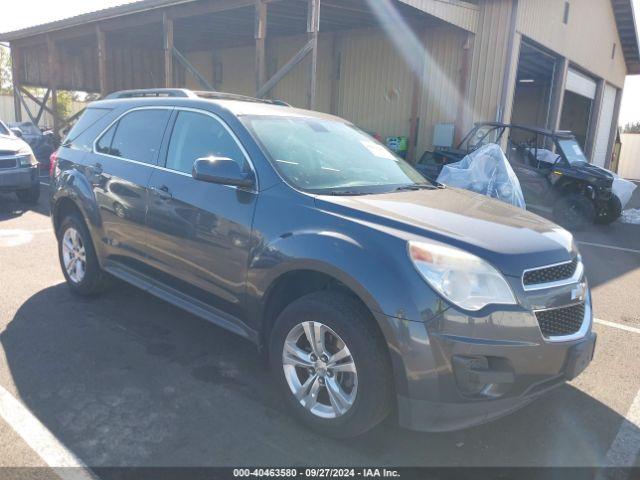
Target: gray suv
<point>369,289</point>
<point>18,167</point>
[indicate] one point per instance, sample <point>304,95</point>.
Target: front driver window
<point>196,135</point>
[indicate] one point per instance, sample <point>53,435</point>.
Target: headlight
<point>462,278</point>
<point>26,157</point>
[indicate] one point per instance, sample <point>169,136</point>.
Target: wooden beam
<point>336,67</point>
<point>416,102</point>
<point>15,79</point>
<point>41,110</point>
<point>192,70</point>
<point>261,38</point>
<point>462,115</point>
<point>313,27</point>
<point>52,54</point>
<point>102,60</point>
<point>167,27</point>
<point>28,110</point>
<point>36,100</point>
<point>280,74</point>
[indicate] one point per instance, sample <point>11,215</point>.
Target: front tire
<point>78,258</point>
<point>31,196</point>
<point>331,365</point>
<point>574,211</point>
<point>610,212</point>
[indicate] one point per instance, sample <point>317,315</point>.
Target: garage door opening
<point>578,105</point>
<point>532,98</point>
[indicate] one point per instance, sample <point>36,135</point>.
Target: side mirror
<point>17,132</point>
<point>221,170</point>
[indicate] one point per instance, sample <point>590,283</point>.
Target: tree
<point>632,127</point>
<point>6,85</point>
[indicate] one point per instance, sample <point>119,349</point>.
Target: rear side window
<point>196,135</point>
<point>81,135</point>
<point>136,136</point>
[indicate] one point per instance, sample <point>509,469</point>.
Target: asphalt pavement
<point>128,380</point>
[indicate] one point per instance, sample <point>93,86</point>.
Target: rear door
<point>121,165</point>
<point>199,232</point>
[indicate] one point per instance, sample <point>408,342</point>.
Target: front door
<point>199,232</point>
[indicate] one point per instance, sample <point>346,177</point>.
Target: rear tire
<point>31,195</point>
<point>363,377</point>
<point>611,212</point>
<point>78,258</point>
<point>574,211</point>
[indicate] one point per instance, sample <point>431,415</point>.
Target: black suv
<point>369,289</point>
<point>555,175</point>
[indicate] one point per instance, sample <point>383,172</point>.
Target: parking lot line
<point>626,446</point>
<point>65,464</point>
<point>619,326</point>
<point>611,247</point>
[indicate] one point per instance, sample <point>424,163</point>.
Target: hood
<point>11,145</point>
<point>591,173</point>
<point>510,238</point>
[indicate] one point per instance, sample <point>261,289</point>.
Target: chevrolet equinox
<point>369,289</point>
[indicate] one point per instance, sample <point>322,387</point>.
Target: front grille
<point>550,274</point>
<point>8,162</point>
<point>561,322</point>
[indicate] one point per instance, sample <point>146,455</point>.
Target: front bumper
<point>457,371</point>
<point>18,178</point>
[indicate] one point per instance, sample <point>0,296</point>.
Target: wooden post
<point>261,37</point>
<point>167,25</point>
<point>557,96</point>
<point>313,27</point>
<point>53,80</point>
<point>336,65</point>
<point>102,61</point>
<point>462,115</point>
<point>416,103</point>
<point>15,76</point>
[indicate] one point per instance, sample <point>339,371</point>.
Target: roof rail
<point>235,96</point>
<point>151,92</point>
<point>185,93</point>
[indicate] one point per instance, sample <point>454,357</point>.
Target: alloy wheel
<point>74,255</point>
<point>320,370</point>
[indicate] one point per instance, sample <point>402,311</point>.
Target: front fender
<point>381,275</point>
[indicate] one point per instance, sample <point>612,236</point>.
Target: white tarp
<point>486,171</point>
<point>623,189</point>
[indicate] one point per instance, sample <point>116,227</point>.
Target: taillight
<point>53,160</point>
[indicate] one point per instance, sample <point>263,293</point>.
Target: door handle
<point>162,192</point>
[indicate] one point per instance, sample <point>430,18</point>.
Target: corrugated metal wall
<point>587,39</point>
<point>489,59</point>
<point>440,101</point>
<point>374,89</point>
<point>629,164</point>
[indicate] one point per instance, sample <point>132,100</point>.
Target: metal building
<point>393,67</point>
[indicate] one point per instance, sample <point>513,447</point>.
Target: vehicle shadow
<point>127,380</point>
<point>10,207</point>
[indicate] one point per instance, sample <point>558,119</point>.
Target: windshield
<point>326,156</point>
<point>572,151</point>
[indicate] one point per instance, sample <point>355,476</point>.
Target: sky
<point>41,11</point>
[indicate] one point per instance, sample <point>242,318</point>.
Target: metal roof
<point>623,9</point>
<point>628,31</point>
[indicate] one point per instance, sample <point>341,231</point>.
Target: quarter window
<point>196,135</point>
<point>137,136</point>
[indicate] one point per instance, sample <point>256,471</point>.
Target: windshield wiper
<point>347,193</point>
<point>417,186</point>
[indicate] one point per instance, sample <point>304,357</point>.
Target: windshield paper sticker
<point>378,150</point>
